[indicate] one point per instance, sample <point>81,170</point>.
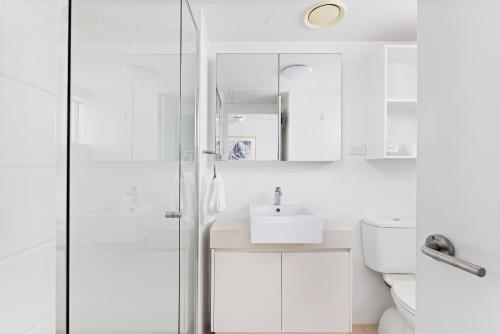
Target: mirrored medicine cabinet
<point>278,107</point>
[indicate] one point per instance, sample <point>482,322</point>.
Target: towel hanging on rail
<point>217,201</point>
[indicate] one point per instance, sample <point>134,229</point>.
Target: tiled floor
<point>364,329</point>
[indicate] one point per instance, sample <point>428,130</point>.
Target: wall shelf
<point>392,107</point>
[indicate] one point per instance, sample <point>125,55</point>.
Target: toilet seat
<point>404,294</point>
<point>389,279</point>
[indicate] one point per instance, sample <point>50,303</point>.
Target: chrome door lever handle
<point>440,248</point>
<point>173,214</point>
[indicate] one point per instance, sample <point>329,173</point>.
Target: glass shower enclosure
<point>132,158</point>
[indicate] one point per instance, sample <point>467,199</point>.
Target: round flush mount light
<point>239,118</point>
<point>296,71</point>
<point>324,14</point>
<point>275,20</point>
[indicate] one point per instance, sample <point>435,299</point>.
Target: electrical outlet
<point>359,149</point>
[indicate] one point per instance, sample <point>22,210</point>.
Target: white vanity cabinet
<point>316,291</point>
<point>273,288</point>
<point>247,292</point>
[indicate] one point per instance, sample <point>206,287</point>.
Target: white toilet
<point>389,247</point>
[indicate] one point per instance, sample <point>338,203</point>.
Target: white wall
<point>29,87</point>
<point>345,191</point>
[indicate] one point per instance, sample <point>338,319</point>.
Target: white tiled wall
<point>344,191</point>
<point>29,37</point>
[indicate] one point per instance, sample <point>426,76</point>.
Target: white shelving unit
<point>392,103</point>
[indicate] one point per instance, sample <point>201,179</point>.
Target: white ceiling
<point>243,20</point>
<point>365,20</point>
<point>125,21</point>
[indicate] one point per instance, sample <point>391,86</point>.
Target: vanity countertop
<point>235,234</point>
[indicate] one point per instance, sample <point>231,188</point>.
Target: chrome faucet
<point>277,196</point>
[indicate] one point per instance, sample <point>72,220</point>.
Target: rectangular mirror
<point>311,104</point>
<point>248,108</point>
<point>278,107</point>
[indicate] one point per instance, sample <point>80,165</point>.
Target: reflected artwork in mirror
<point>278,107</point>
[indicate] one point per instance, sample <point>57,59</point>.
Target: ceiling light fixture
<point>239,118</point>
<point>275,20</point>
<point>324,14</point>
<point>296,71</point>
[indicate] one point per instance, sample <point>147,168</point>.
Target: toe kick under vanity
<point>280,288</point>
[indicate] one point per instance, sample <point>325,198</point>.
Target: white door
<point>459,163</point>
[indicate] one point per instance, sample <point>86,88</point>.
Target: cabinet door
<point>246,292</point>
<point>316,292</point>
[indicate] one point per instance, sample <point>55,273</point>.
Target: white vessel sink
<point>284,224</point>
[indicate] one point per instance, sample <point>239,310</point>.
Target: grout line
<point>27,249</point>
<point>34,168</point>
<point>42,11</point>
<point>29,84</point>
<point>41,322</point>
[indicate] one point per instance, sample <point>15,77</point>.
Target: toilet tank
<point>389,245</point>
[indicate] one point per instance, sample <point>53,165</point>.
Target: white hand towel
<point>207,199</point>
<point>218,196</point>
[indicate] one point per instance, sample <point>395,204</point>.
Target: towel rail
<point>214,154</point>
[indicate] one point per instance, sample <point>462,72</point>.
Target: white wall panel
<point>27,209</point>
<point>27,281</point>
<point>28,44</point>
<point>28,123</point>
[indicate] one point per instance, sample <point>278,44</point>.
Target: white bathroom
<point>249,166</point>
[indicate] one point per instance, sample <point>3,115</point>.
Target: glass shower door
<point>132,158</point>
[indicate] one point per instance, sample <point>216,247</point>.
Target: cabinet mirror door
<point>278,107</point>
<point>310,91</point>
<point>247,117</point>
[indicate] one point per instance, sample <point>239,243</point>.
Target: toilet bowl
<point>401,318</point>
<point>389,247</point>
<point>403,294</point>
<point>392,322</point>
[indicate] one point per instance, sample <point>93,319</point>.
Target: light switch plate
<point>359,149</point>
